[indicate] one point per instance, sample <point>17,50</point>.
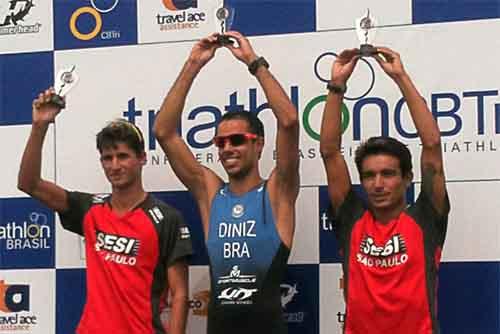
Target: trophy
<point>65,80</point>
<point>365,29</point>
<point>224,16</point>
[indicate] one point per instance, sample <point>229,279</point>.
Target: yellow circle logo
<point>76,15</point>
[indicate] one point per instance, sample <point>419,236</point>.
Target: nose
<point>114,163</point>
<point>379,181</point>
<point>226,145</point>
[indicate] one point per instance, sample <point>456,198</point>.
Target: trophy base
<point>367,50</point>
<point>224,40</point>
<point>57,101</point>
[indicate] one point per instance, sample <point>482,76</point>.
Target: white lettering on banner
<point>34,234</point>
<point>11,244</point>
<point>14,230</point>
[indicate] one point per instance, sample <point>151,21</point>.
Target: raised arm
<point>284,180</point>
<point>339,180</point>
<point>199,180</point>
<point>433,178</point>
<point>29,177</point>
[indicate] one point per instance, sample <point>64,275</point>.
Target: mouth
<point>379,197</point>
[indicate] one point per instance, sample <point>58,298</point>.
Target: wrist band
<point>254,65</point>
<point>336,88</point>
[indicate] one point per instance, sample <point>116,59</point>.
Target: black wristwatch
<point>336,88</point>
<point>254,65</point>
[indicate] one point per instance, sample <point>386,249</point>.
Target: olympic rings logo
<point>34,229</point>
<point>95,11</point>
<point>325,80</point>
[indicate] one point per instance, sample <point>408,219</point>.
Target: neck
<point>126,199</point>
<point>385,215</point>
<point>239,186</point>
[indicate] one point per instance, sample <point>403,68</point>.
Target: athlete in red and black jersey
<point>390,252</point>
<point>134,243</point>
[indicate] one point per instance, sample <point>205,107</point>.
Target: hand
<point>344,65</point>
<point>390,61</point>
<point>204,50</point>
<point>243,51</point>
<point>45,112</point>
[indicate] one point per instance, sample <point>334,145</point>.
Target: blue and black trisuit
<point>247,264</point>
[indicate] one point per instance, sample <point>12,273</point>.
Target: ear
<point>142,157</point>
<point>260,145</point>
<point>408,178</point>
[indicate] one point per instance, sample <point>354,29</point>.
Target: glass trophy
<point>224,19</point>
<point>366,29</point>
<point>65,80</point>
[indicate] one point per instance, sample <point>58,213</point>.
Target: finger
<point>387,53</point>
<point>235,34</point>
<point>213,38</point>
<point>380,59</point>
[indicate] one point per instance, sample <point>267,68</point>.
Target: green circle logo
<point>308,109</point>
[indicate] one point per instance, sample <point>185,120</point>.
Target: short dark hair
<point>254,123</point>
<point>120,131</point>
<point>384,145</point>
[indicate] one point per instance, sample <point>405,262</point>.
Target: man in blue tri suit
<point>248,222</point>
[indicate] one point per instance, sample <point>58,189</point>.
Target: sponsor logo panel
<point>171,20</point>
<point>94,23</point>
<point>300,298</point>
<point>26,234</point>
<point>26,301</point>
<point>25,26</point>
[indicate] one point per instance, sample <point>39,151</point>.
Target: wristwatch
<point>254,65</point>
<point>336,88</point>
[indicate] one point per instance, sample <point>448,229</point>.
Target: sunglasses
<point>235,139</point>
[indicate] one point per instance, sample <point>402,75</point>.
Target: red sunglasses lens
<point>236,139</point>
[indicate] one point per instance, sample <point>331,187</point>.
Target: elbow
<point>158,131</point>
<point>291,121</point>
<point>25,186</point>
<point>161,133</point>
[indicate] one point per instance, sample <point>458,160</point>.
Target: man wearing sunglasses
<point>390,251</point>
<point>136,245</point>
<point>248,222</point>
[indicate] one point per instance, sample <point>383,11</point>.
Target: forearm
<point>331,125</point>
<point>168,118</point>
<point>281,105</point>
<point>31,162</point>
<point>178,314</point>
<point>423,119</point>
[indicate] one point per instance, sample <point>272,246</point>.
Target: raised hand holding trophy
<point>366,29</point>
<point>65,80</point>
